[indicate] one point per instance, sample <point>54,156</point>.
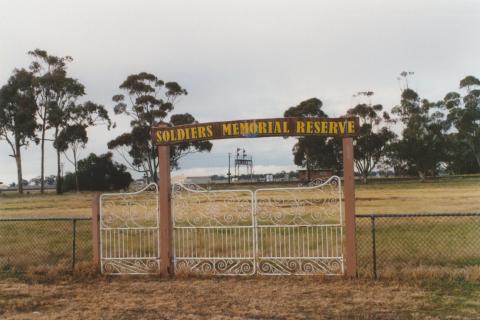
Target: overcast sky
<point>243,59</point>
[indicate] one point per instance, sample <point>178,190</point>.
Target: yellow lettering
<point>316,124</point>
<point>172,135</point>
<point>270,127</point>
<point>202,132</point>
<point>278,127</point>
<point>159,136</point>
<point>253,128</point>
<point>235,128</point>
<point>286,129</point>
<point>300,127</point>
<point>341,127</point>
<point>209,131</point>
<point>180,134</point>
<point>351,126</point>
<point>262,127</point>
<point>166,136</point>
<point>324,126</point>
<point>333,127</point>
<point>194,133</point>
<point>227,129</point>
<point>244,128</point>
<point>309,127</point>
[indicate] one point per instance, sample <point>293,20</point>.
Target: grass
<point>239,298</point>
<point>443,195</point>
<point>400,243</point>
<point>429,268</point>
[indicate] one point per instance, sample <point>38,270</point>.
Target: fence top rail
<point>46,219</point>
<point>418,215</point>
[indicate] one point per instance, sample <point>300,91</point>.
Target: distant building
<point>314,174</point>
<point>198,180</point>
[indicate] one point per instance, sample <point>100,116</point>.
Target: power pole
<point>229,174</point>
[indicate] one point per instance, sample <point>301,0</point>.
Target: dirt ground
<point>236,298</point>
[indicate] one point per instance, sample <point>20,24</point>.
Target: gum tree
<point>373,138</point>
<point>17,116</point>
<point>73,135</point>
<point>313,152</point>
<point>422,144</point>
<point>148,101</point>
<point>54,92</point>
<point>464,117</point>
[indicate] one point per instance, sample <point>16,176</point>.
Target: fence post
<point>164,207</point>
<point>349,196</point>
<point>74,235</point>
<point>374,250</point>
<point>96,229</point>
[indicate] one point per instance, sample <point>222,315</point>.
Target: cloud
<point>243,59</point>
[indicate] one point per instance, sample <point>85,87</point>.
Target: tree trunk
<point>42,161</point>
<point>365,178</point>
<point>59,173</point>
<point>421,174</point>
<point>308,167</point>
<point>75,165</point>
<point>18,160</point>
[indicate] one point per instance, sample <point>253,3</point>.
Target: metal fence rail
<point>42,242</point>
<point>392,243</point>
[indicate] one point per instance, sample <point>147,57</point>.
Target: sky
<point>242,59</point>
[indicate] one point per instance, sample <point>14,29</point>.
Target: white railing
<point>129,232</point>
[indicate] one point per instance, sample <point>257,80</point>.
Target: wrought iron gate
<point>213,230</point>
<point>272,231</point>
<point>129,232</point>
<point>299,230</point>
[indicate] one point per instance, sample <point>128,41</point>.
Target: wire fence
<point>27,243</point>
<point>393,243</point>
<point>386,243</point>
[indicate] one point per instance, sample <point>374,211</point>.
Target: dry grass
<point>446,195</point>
<point>226,298</point>
<point>51,292</point>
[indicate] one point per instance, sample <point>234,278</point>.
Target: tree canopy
<point>148,101</point>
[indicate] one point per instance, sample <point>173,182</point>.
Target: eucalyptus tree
<point>73,135</point>
<point>55,92</point>
<point>373,138</point>
<point>17,116</point>
<point>464,117</point>
<point>148,101</point>
<point>423,140</point>
<point>314,152</point>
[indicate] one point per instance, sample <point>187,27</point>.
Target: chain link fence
<point>27,243</point>
<point>389,244</point>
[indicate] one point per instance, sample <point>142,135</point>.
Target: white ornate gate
<point>213,230</point>
<point>272,231</point>
<point>300,230</point>
<point>129,232</point>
